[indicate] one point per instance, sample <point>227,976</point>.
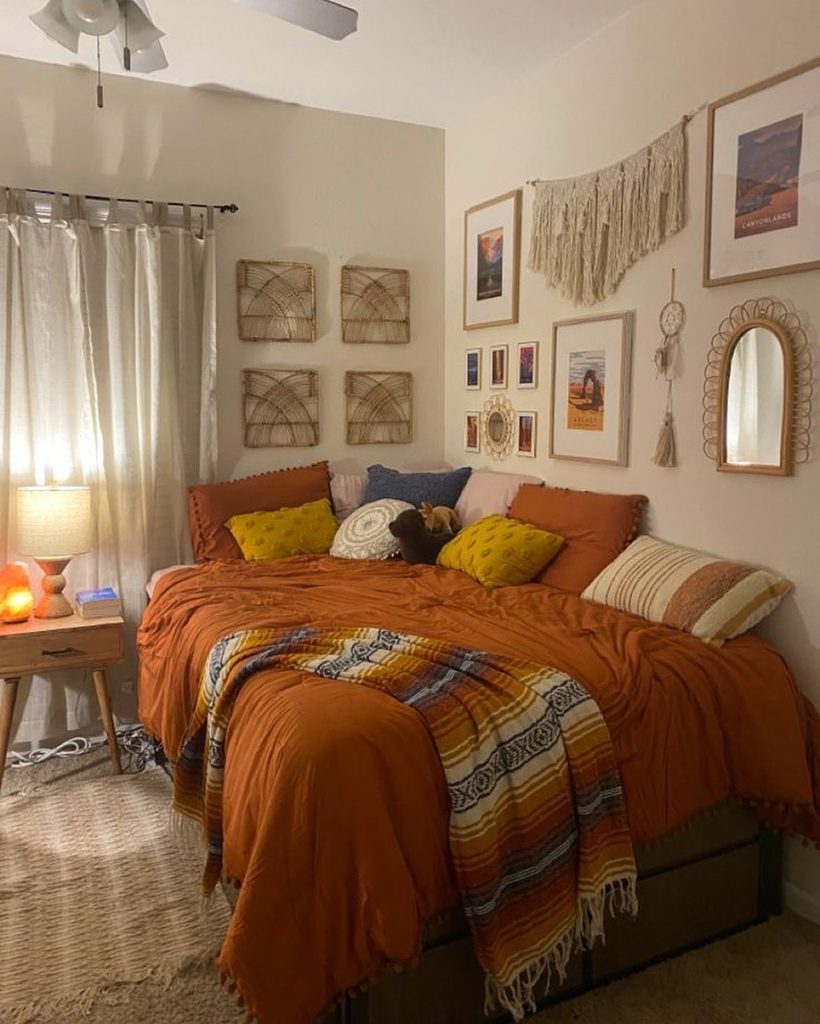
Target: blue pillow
<point>437,488</point>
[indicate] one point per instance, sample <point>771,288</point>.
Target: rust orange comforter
<point>335,806</point>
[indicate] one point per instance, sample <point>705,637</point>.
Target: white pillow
<point>487,493</point>
<point>347,490</point>
<point>365,533</point>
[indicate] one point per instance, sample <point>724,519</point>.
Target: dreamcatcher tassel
<point>665,453</point>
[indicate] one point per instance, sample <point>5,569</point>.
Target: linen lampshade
<point>53,523</point>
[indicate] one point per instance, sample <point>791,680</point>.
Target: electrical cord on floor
<point>133,741</point>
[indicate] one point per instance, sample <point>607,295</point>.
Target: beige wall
<point>601,101</point>
<point>311,185</point>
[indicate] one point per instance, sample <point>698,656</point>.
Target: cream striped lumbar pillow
<point>706,596</point>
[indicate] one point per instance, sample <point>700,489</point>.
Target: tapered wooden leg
<point>101,686</point>
<point>7,702</point>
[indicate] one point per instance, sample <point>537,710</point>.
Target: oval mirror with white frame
<point>498,424</point>
<point>757,391</point>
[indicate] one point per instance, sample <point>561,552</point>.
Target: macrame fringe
<point>588,231</point>
<point>517,996</point>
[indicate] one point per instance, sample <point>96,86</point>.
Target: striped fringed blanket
<point>538,832</point>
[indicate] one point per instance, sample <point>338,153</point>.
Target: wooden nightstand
<point>46,645</point>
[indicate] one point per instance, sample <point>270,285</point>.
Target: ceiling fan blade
<point>323,16</point>
<point>146,52</point>
<point>152,58</point>
<point>135,24</point>
<point>56,26</point>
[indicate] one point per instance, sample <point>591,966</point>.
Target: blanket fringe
<point>517,996</point>
<point>185,827</point>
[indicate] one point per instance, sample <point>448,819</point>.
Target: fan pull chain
<point>126,53</point>
<point>100,97</point>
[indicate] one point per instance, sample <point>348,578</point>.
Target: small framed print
<point>472,369</point>
<point>763,179</point>
<point>472,432</point>
<point>591,366</point>
<point>492,254</point>
<point>498,366</point>
<point>527,368</point>
<point>525,434</point>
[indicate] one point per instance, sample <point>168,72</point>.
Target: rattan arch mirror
<point>757,397</point>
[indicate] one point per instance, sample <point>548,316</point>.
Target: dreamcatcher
<point>672,319</point>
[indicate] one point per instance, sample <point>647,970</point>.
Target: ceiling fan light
<point>52,21</point>
<point>92,17</point>
<point>142,32</point>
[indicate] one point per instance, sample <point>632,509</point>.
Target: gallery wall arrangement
<point>276,301</point>
<point>762,218</point>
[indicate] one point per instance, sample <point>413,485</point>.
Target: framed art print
<point>591,364</point>
<point>525,434</point>
<point>492,254</point>
<point>472,369</point>
<point>763,179</point>
<point>472,432</point>
<point>498,366</point>
<point>527,368</point>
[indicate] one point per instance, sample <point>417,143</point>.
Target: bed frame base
<point>718,878</point>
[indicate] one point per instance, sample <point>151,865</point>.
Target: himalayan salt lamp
<point>16,599</point>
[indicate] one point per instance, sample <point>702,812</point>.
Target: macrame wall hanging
<point>588,231</point>
<point>672,319</point>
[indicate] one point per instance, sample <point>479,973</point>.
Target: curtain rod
<point>223,208</point>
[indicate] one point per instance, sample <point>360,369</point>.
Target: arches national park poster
<point>585,391</point>
<point>589,418</point>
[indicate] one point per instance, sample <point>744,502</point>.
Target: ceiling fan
<point>136,39</point>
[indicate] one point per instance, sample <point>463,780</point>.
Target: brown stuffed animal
<point>439,519</point>
<point>416,544</point>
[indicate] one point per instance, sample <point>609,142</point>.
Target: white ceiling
<point>423,61</point>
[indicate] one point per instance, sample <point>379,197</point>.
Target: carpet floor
<point>766,975</point>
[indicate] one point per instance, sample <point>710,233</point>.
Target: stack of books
<point>98,604</point>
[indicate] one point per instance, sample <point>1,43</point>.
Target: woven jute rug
<point>96,895</point>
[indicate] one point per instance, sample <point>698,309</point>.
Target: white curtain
<point>108,366</point>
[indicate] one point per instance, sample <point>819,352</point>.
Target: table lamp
<point>53,524</point>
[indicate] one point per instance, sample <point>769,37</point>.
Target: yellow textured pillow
<point>308,529</point>
<point>500,552</point>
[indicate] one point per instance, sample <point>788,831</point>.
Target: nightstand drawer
<point>45,651</point>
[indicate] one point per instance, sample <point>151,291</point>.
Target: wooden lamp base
<point>53,605</point>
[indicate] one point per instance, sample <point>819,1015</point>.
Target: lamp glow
<point>53,523</point>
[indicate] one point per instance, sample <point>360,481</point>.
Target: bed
<point>336,810</point>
